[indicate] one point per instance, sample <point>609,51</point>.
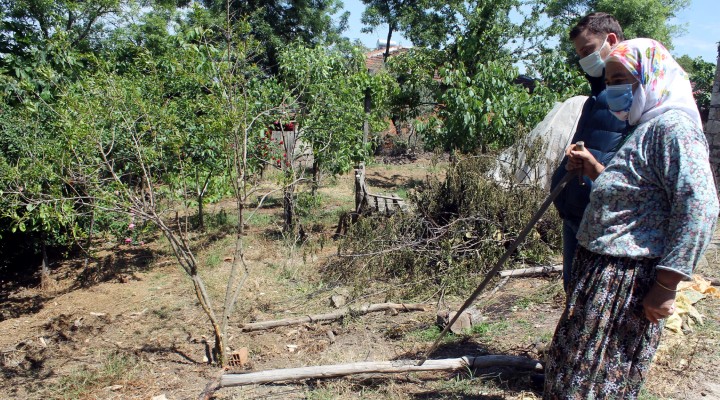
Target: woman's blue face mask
<point>620,98</point>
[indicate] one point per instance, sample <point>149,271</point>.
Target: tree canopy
<point>638,18</point>
<point>172,66</point>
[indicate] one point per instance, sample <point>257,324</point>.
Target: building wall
<point>712,127</point>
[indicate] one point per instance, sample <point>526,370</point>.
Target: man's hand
<point>583,161</point>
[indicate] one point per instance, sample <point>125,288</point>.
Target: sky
<point>356,8</point>
<point>700,20</point>
<point>703,30</point>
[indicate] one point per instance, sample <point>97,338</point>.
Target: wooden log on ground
<point>531,271</point>
<point>383,367</point>
<point>364,309</point>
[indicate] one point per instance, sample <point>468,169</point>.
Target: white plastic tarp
<point>534,158</point>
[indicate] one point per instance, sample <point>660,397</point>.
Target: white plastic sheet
<point>532,160</point>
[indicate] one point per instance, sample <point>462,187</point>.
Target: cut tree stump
<point>364,309</point>
<point>383,367</point>
<point>469,318</point>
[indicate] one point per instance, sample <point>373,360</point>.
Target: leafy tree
<point>427,23</point>
<point>31,159</point>
<point>480,108</point>
<point>145,33</point>
<point>702,75</point>
<point>638,18</point>
<point>646,18</point>
<point>277,23</point>
<point>134,143</point>
<point>43,42</point>
<point>330,111</point>
<point>418,90</point>
<point>27,24</point>
<point>330,87</point>
<point>487,110</point>
<point>491,35</point>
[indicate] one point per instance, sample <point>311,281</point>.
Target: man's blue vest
<point>603,134</point>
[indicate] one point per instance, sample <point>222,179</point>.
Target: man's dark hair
<point>597,23</point>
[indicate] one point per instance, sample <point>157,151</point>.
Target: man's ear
<point>612,39</point>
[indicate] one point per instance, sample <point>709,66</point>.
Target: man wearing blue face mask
<point>593,38</point>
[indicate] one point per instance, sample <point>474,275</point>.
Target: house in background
<point>375,59</point>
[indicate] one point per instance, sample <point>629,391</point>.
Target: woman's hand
<point>659,303</point>
<point>583,161</point>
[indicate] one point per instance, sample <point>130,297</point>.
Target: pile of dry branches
<point>458,228</point>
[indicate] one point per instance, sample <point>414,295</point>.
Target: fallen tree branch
<point>331,371</point>
<point>531,271</point>
<point>364,309</point>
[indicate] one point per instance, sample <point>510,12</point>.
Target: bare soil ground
<point>129,327</point>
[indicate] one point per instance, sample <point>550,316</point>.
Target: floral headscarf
<point>663,83</point>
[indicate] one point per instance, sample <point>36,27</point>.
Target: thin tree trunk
<point>360,191</point>
<point>288,208</point>
<point>184,255</point>
<point>387,45</point>
<point>220,349</point>
<point>201,191</point>
<point>88,243</point>
<point>201,217</point>
<point>316,177</point>
<point>45,267</point>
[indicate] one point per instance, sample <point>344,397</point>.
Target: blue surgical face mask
<point>619,99</point>
<point>593,64</point>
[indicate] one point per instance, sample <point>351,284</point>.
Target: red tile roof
<point>374,59</point>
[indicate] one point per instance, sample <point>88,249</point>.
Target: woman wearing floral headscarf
<point>651,215</point>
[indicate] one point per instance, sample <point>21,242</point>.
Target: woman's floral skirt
<point>603,344</point>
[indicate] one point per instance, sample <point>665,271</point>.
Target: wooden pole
<point>531,271</point>
<point>384,367</point>
<point>364,309</point>
<point>360,187</point>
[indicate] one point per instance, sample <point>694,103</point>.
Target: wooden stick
<point>531,271</point>
<point>392,367</point>
<point>364,309</point>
